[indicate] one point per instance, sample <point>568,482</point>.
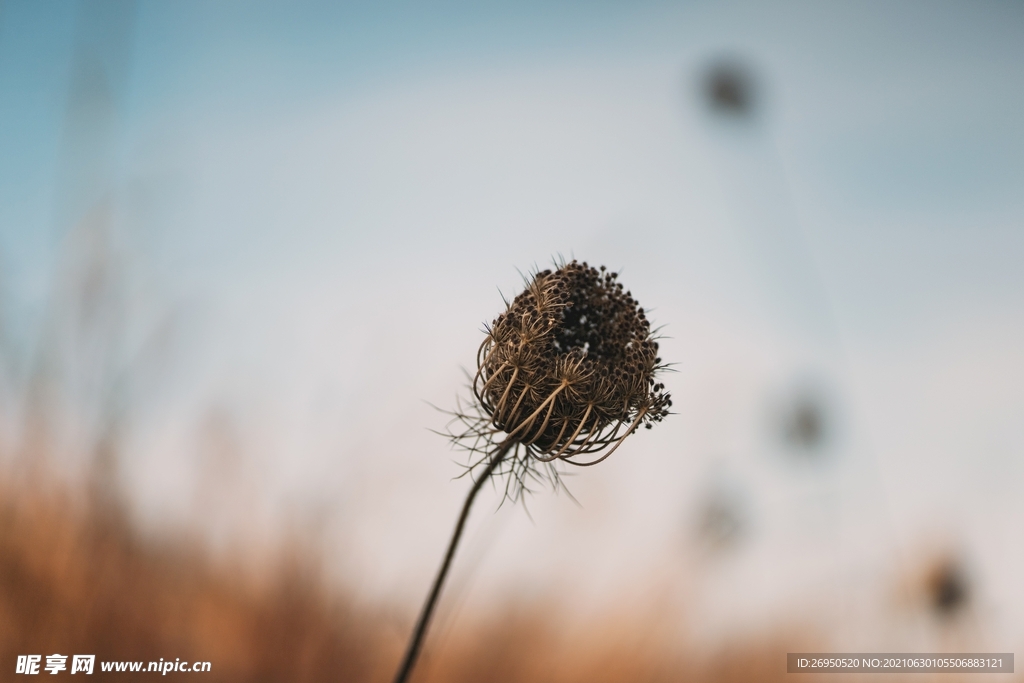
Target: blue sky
<point>881,111</point>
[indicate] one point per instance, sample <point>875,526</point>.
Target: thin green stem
<point>416,641</point>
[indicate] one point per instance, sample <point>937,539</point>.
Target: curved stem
<point>428,607</point>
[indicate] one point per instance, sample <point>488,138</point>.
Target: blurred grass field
<point>76,578</point>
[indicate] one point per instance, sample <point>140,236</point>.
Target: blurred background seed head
<point>242,247</point>
<point>730,89</point>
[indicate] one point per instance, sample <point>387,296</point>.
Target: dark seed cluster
<point>569,369</point>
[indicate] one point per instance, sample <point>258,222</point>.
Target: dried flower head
<point>568,371</point>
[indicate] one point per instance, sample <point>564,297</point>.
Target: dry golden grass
<point>75,578</point>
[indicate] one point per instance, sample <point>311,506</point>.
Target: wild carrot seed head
<point>567,371</point>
